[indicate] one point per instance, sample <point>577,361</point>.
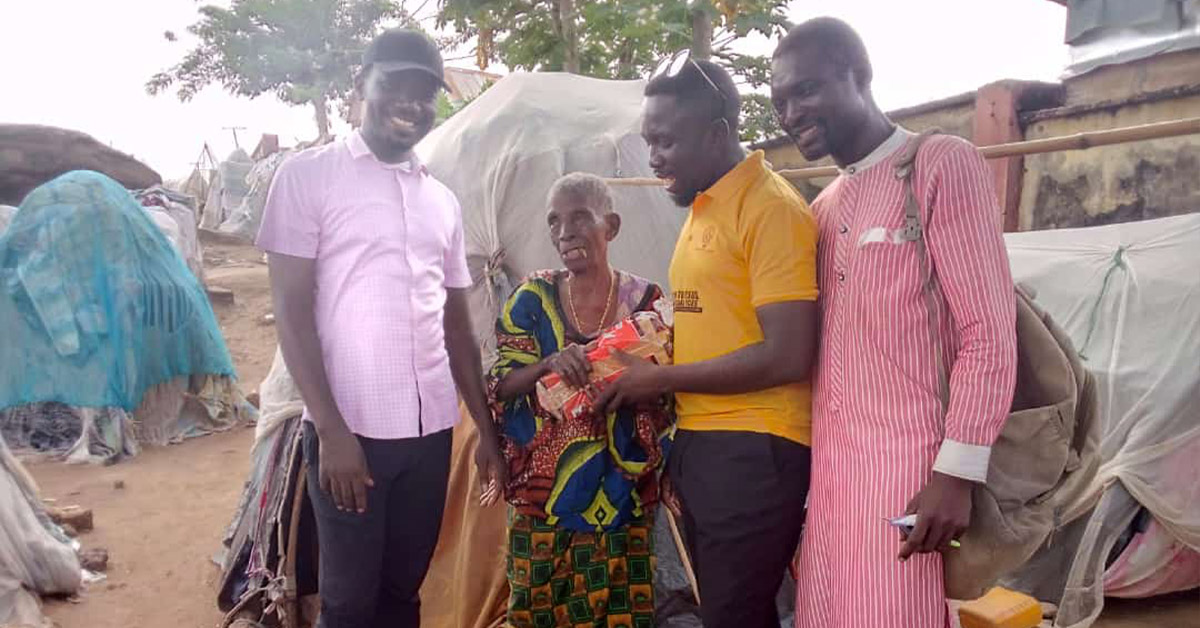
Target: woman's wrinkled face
<point>580,233</point>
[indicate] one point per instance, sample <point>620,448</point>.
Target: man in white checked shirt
<point>369,277</point>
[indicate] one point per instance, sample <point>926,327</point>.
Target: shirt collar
<point>359,149</point>
<point>734,180</point>
<point>893,143</point>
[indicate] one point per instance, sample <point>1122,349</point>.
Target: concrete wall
<point>1124,182</point>
<point>1110,184</point>
<point>1132,181</point>
<point>955,119</point>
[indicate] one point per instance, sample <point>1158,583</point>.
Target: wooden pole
<point>681,547</point>
<point>1078,141</point>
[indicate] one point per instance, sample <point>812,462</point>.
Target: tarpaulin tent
<point>227,189</point>
<point>1129,296</point>
<point>502,153</point>
<point>244,219</point>
<point>109,338</point>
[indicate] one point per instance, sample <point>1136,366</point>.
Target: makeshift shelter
<point>502,153</point>
<point>195,185</point>
<point>175,215</point>
<point>266,558</point>
<point>1129,296</point>
<point>244,219</point>
<point>110,340</point>
<point>36,558</point>
<point>227,189</point>
<point>33,154</point>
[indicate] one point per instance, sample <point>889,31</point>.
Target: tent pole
<point>681,548</point>
<point>1077,141</point>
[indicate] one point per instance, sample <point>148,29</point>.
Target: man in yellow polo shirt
<point>744,283</point>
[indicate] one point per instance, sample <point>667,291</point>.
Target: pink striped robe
<point>877,421</point>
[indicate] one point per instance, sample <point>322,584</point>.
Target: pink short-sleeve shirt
<point>388,242</point>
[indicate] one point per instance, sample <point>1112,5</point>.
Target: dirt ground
<point>163,527</point>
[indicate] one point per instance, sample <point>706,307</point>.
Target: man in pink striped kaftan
<point>882,444</point>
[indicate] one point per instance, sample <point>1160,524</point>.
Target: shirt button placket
<point>412,332</point>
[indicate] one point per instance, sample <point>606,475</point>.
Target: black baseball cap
<point>402,49</point>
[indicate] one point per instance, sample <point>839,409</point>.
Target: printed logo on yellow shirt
<point>706,239</point>
<point>687,301</point>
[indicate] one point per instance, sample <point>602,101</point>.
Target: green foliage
<point>446,108</point>
<point>303,51</point>
<point>759,121</point>
<point>619,39</point>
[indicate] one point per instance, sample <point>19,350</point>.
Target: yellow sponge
<point>1001,608</point>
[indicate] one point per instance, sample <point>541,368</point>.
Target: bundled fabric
<point>180,208</point>
<point>97,306</point>
<point>261,536</point>
<point>35,557</point>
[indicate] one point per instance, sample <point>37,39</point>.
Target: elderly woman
<point>580,544</point>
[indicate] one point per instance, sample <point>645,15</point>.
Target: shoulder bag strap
<point>914,232</point>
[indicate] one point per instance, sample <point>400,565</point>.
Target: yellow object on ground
<point>1001,608</point>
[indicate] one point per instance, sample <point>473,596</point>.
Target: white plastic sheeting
<point>501,154</point>
<point>1129,296</point>
<point>244,219</point>
<point>227,190</point>
<point>33,560</point>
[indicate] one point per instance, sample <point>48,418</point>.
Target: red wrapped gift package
<point>643,335</point>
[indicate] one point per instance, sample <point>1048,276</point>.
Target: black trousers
<point>371,565</point>
<point>743,497</point>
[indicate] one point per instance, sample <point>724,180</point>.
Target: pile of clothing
<point>175,215</point>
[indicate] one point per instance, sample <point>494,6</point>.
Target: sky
<point>82,64</point>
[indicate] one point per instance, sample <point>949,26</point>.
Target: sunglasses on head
<point>671,66</point>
